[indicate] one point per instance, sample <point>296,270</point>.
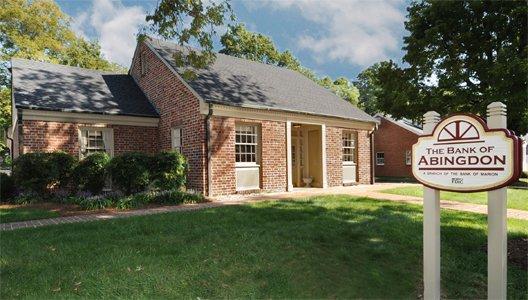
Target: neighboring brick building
<point>243,126</point>
<point>392,146</point>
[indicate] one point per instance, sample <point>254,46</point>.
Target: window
<point>380,158</point>
<point>143,62</point>
<point>96,140</point>
<point>177,139</point>
<point>246,144</point>
<point>349,147</point>
<point>408,157</point>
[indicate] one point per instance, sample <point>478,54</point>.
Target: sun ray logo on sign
<point>463,155</point>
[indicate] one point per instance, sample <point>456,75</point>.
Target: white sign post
<point>431,227</point>
<point>463,153</point>
<point>497,220</point>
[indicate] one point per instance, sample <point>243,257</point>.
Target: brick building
<point>392,146</point>
<point>242,125</point>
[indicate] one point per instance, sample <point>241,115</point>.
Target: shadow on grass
<point>324,247</point>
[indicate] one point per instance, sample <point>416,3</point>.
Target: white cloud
<point>359,32</point>
<point>114,26</point>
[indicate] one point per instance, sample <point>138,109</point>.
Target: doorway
<point>306,155</point>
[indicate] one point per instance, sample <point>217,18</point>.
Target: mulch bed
<point>517,252</point>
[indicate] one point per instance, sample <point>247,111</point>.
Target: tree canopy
<point>39,30</point>
<point>240,42</point>
<point>461,56</point>
<point>193,23</point>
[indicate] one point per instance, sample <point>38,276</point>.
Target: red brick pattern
<point>44,136</point>
<point>223,177</point>
<point>178,107</point>
<point>135,138</point>
<point>334,156</point>
<point>274,163</point>
<point>364,158</point>
<point>393,140</point>
<point>273,155</point>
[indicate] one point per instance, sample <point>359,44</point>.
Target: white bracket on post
<point>497,220</point>
<point>431,227</point>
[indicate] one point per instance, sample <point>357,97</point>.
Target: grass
<point>325,247</point>
<point>16,214</point>
<point>517,198</point>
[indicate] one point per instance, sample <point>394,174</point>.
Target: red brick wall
<point>274,163</point>
<point>273,155</point>
<point>135,138</point>
<point>47,136</point>
<point>223,177</point>
<point>177,106</point>
<point>393,140</point>
<point>42,136</point>
<point>334,156</point>
<point>364,158</point>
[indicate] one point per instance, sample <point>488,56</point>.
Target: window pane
<point>246,143</point>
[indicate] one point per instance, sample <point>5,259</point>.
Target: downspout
<point>208,148</point>
<point>372,167</point>
<point>372,161</point>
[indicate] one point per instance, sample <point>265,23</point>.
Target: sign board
<point>464,155</point>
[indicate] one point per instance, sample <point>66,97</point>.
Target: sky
<point>331,37</point>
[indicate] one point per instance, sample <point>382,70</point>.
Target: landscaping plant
<point>38,172</point>
<point>169,170</point>
<point>130,172</point>
<point>91,174</point>
<point>7,187</point>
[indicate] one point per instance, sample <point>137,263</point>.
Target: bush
<point>62,165</point>
<point>169,170</point>
<point>7,187</point>
<point>90,174</point>
<point>130,172</point>
<point>38,171</point>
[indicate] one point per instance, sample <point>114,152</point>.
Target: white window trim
<point>377,162</point>
<point>353,136</point>
<point>108,137</point>
<point>408,158</point>
<point>258,147</point>
<point>173,146</point>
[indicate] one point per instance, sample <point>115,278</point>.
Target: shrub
<point>169,170</point>
<point>90,173</point>
<point>31,172</point>
<point>36,172</point>
<point>61,165</point>
<point>7,187</point>
<point>130,172</point>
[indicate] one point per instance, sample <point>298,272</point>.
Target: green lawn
<point>325,247</point>
<point>517,198</point>
<point>15,214</point>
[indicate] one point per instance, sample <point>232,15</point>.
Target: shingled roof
<point>46,86</point>
<point>244,83</point>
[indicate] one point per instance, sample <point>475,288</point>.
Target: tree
<point>39,30</point>
<point>462,55</point>
<point>191,23</point>
<point>365,83</point>
<point>240,42</point>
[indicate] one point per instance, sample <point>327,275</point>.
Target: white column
<point>497,221</point>
<point>289,156</point>
<point>431,227</point>
<point>323,154</point>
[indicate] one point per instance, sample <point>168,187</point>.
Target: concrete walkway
<point>371,191</point>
